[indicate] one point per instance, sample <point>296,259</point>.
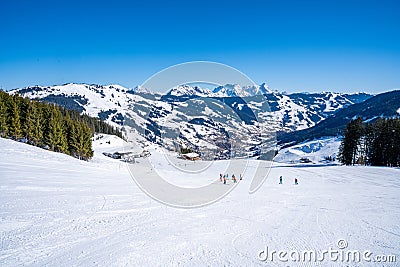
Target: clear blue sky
<point>344,46</point>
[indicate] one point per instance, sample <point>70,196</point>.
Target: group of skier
<point>223,178</point>
<point>296,182</point>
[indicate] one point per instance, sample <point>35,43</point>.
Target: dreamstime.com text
<point>339,254</point>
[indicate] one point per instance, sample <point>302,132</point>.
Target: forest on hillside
<point>50,126</point>
<point>375,144</point>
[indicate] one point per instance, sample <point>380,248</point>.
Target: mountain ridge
<point>172,119</point>
<point>383,105</point>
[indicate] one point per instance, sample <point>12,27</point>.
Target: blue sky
<point>293,46</point>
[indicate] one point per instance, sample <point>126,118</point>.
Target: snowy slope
<point>315,150</point>
<point>59,211</point>
<point>94,100</point>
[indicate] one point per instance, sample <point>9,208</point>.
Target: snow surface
<point>315,150</point>
<point>60,211</point>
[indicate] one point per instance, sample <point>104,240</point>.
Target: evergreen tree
<point>38,124</point>
<point>396,143</point>
<point>44,124</point>
<point>56,137</point>
<point>81,141</point>
<point>351,142</point>
<point>29,125</point>
<point>14,123</point>
<point>3,114</point>
<point>23,107</point>
<point>87,136</point>
<point>368,142</point>
<point>378,144</point>
<point>381,146</point>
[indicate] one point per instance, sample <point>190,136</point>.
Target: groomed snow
<point>59,211</point>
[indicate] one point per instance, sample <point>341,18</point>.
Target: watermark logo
<point>203,110</point>
<point>342,244</point>
<point>339,254</point>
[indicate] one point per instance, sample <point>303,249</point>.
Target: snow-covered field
<point>315,150</point>
<point>58,211</point>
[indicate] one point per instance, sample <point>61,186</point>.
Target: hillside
<point>224,122</point>
<point>382,105</point>
<point>49,126</point>
<point>318,151</point>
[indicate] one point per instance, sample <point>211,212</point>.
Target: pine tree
<point>392,149</point>
<point>381,145</point>
<point>23,107</point>
<point>68,125</point>
<point>42,124</point>
<point>81,140</point>
<point>396,138</point>
<point>351,142</point>
<point>14,122</point>
<point>378,144</point>
<point>87,136</point>
<point>3,114</point>
<point>73,139</point>
<point>368,142</point>
<point>56,137</point>
<point>38,121</point>
<point>29,125</point>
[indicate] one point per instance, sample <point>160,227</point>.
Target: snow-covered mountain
<point>187,90</point>
<point>141,90</point>
<point>385,105</point>
<point>230,119</point>
<point>184,92</point>
<point>235,90</point>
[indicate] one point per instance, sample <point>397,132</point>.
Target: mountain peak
<point>141,90</point>
<point>188,90</point>
<point>227,90</point>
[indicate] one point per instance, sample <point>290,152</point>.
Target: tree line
<point>375,144</point>
<point>49,126</point>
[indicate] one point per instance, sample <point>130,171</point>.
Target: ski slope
<point>59,211</point>
<point>315,150</point>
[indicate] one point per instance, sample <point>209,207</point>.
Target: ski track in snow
<point>59,211</point>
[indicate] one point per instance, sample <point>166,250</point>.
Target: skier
<point>295,181</point>
<point>234,178</point>
<point>280,180</point>
<point>224,180</point>
<point>241,177</point>
<point>220,177</point>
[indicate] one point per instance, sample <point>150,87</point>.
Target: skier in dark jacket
<point>295,181</point>
<point>280,180</point>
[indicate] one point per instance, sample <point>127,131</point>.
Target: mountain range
<point>385,105</point>
<point>229,120</point>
